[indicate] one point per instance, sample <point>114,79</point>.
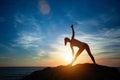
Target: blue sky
<point>32,31</point>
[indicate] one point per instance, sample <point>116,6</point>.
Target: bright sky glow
<point>32,31</point>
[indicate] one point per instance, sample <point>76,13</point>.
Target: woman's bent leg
<point>77,54</point>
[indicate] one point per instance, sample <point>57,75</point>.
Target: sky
<point>32,32</point>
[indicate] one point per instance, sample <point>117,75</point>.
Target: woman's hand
<point>72,26</point>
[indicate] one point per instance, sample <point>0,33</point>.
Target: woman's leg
<point>77,54</point>
<point>89,53</point>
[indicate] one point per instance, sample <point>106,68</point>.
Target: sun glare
<point>68,58</point>
<point>68,54</point>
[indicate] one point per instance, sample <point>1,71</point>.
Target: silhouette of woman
<point>81,45</point>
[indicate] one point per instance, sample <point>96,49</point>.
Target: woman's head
<point>66,39</point>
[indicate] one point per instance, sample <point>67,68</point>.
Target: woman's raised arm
<point>73,32</point>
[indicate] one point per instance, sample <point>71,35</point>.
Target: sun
<point>68,58</point>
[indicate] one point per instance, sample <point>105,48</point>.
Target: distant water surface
<point>16,73</point>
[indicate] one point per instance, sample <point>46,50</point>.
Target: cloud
<point>103,39</point>
<point>31,37</point>
<point>87,23</point>
<point>44,7</point>
<point>6,58</point>
<point>29,34</point>
<point>112,33</point>
<point>4,49</point>
<point>19,18</point>
<point>41,54</point>
<point>22,20</point>
<point>28,40</point>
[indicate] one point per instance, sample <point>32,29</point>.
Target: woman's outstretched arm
<point>72,50</point>
<point>73,32</point>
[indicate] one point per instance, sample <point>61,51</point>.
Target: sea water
<point>16,73</point>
